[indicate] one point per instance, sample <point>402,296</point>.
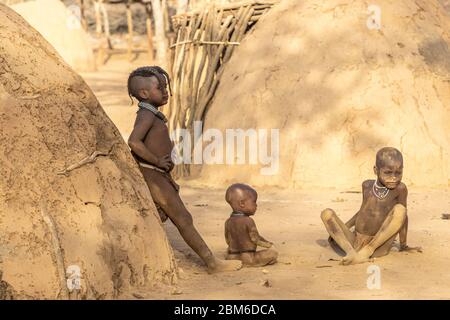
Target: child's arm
<point>227,239</point>
<point>403,234</point>
<point>264,243</point>
<point>256,238</point>
<point>144,122</point>
<point>402,199</point>
<point>350,223</point>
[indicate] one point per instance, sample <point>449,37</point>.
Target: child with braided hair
<point>151,146</point>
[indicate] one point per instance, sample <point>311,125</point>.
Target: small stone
<point>138,296</point>
<point>182,274</point>
<point>176,291</point>
<point>201,205</point>
<point>265,271</point>
<point>324,266</point>
<point>266,283</point>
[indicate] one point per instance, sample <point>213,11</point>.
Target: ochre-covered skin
<point>241,234</point>
<point>151,145</point>
<point>382,215</point>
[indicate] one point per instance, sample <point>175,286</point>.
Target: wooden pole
<point>98,31</point>
<point>148,23</point>
<point>130,31</point>
<point>165,10</point>
<point>98,19</point>
<point>82,15</point>
<point>106,24</point>
<point>160,36</point>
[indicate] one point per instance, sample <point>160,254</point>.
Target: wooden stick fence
<point>204,44</point>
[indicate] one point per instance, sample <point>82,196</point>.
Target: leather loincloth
<point>168,176</point>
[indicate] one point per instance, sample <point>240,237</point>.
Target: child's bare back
<point>240,233</point>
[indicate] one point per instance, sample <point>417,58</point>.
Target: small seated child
<point>241,234</point>
<point>380,219</point>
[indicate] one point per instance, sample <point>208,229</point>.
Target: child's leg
<point>165,195</point>
<point>259,258</point>
<point>385,248</point>
<point>338,231</point>
<point>389,229</point>
<point>161,212</point>
<point>266,257</point>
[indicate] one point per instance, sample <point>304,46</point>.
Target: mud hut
<point>62,28</point>
<point>73,204</point>
<point>340,79</point>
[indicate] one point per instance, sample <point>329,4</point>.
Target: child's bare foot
<point>406,248</point>
<point>356,258</point>
<point>222,266</point>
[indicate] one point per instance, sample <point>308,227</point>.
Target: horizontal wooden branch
<point>200,42</point>
<point>259,8</point>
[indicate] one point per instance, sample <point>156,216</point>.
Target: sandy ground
<point>291,220</point>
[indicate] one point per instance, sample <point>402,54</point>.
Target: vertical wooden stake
<point>149,33</point>
<point>106,24</point>
<point>98,31</point>
<point>82,15</point>
<point>130,31</point>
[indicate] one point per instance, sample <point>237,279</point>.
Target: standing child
<point>151,145</point>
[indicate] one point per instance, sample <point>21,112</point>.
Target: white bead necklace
<point>379,191</point>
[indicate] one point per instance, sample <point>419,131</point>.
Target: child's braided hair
<point>149,71</point>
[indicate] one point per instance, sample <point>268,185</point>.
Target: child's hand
<point>405,247</point>
<point>165,162</point>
